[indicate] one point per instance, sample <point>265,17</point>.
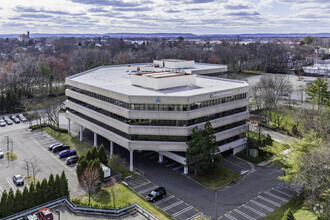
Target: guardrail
<point>83,210</point>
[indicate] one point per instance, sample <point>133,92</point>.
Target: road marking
<point>230,217</point>
<point>280,191</point>
<point>173,205</point>
<point>277,197</point>
<point>243,214</point>
<point>244,171</point>
<point>141,185</point>
<point>11,184</point>
<point>254,210</point>
<point>177,168</point>
<point>194,216</point>
<point>182,211</point>
<point>270,201</point>
<point>262,206</point>
<point>171,164</point>
<point>164,200</point>
<point>149,189</point>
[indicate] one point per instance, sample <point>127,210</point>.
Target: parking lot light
<point>58,214</point>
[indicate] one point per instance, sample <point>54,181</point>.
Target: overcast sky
<point>165,16</point>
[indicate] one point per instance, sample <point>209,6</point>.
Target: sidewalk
<point>282,138</point>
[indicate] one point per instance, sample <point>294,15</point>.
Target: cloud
<point>35,16</point>
<point>34,10</point>
<point>97,10</point>
<point>134,9</point>
<point>198,1</point>
<point>237,7</point>
<point>171,10</point>
<point>243,13</point>
<point>115,3</point>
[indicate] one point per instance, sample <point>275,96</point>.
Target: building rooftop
<point>117,78</point>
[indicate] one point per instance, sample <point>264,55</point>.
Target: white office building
<point>155,106</point>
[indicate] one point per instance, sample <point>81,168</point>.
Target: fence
<point>84,210</point>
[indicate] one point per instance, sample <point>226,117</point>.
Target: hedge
<point>38,126</point>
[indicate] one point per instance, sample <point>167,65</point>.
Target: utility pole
<point>216,204</point>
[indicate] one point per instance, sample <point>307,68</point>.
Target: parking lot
<point>171,204</point>
<point>29,145</point>
<point>261,205</point>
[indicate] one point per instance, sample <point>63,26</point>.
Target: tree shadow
<point>102,197</point>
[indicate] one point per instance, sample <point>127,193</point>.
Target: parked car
<point>22,117</point>
<point>18,180</point>
<point>46,214</point>
<point>2,123</point>
<point>67,153</point>
<point>59,148</point>
<point>50,147</point>
<point>12,117</point>
<point>9,121</point>
<point>1,154</point>
<point>31,217</point>
<point>72,160</point>
<point>16,120</point>
<point>156,194</point>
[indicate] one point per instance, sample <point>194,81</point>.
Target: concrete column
<point>160,158</point>
<point>131,160</point>
<point>69,126</point>
<point>185,170</point>
<point>95,139</point>
<point>111,149</point>
<point>80,133</point>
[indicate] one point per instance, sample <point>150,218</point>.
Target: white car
<point>2,123</point>
<point>1,154</point>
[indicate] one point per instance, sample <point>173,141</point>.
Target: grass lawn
<point>255,160</point>
<point>123,197</point>
<point>10,156</point>
<point>73,142</point>
<point>220,178</point>
<point>300,212</point>
<point>29,180</point>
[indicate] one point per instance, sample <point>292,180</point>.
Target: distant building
<point>155,106</point>
<point>320,67</point>
<point>322,51</point>
<point>24,37</point>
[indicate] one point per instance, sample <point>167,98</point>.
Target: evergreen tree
<point>18,202</point>
<point>32,195</point>
<point>57,188</point>
<point>94,153</point>
<point>97,164</point>
<point>318,92</point>
<point>102,155</point>
<point>26,199</point>
<point>81,166</point>
<point>81,158</point>
<point>194,154</point>
<point>44,191</point>
<point>38,194</point>
<point>288,215</point>
<point>3,205</point>
<point>51,187</point>
<point>89,156</point>
<point>64,185</point>
<point>11,202</point>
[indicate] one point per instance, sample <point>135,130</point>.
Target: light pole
<point>216,204</point>
<point>58,213</point>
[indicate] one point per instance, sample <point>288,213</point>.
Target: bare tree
<point>90,181</point>
<point>52,112</point>
<point>26,166</point>
<point>35,168</point>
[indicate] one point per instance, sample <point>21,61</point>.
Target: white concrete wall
<point>179,64</point>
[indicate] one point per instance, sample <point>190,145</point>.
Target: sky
<point>164,16</point>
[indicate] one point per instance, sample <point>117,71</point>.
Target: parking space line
<point>195,216</point>
<point>171,164</point>
<point>270,201</point>
<point>146,190</point>
<point>277,197</point>
<point>177,168</point>
<point>254,210</point>
<point>262,206</point>
<point>243,214</point>
<point>280,191</point>
<point>173,205</point>
<point>143,184</point>
<point>230,217</point>
<point>11,184</point>
<point>164,200</point>
<point>182,211</point>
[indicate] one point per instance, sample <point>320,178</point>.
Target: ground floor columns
<point>111,149</point>
<point>69,126</point>
<point>185,170</point>
<point>160,158</point>
<point>80,133</point>
<point>131,160</point>
<point>95,139</point>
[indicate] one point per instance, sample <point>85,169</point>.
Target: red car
<point>46,214</point>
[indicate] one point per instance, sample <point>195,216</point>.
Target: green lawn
<point>73,142</point>
<point>10,156</point>
<point>255,160</point>
<point>214,181</point>
<point>300,212</point>
<point>123,197</point>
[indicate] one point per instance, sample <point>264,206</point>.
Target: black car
<point>72,160</point>
<point>16,120</point>
<point>12,117</point>
<point>59,148</point>
<point>50,147</point>
<point>156,194</point>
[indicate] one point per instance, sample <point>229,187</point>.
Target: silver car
<point>1,154</point>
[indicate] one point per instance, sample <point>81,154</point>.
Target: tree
<point>35,168</point>
<point>18,202</point>
<point>44,191</point>
<point>102,155</point>
<point>26,199</point>
<point>90,181</point>
<point>96,164</point>
<point>38,194</point>
<point>81,166</point>
<point>288,215</point>
<point>32,195</point>
<point>64,185</point>
<point>194,154</point>
<point>11,202</point>
<point>94,153</point>
<point>51,187</point>
<point>57,189</point>
<point>308,40</point>
<point>4,211</point>
<point>89,156</point>
<point>318,92</point>
<point>26,166</point>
